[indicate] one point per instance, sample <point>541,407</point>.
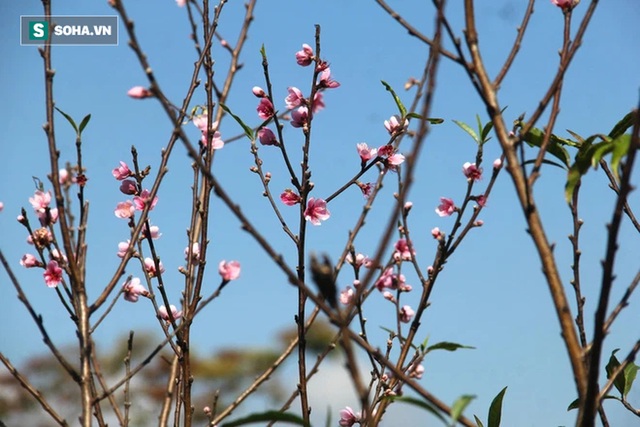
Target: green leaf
<point>267,416</point>
<point>396,98</point>
<point>420,404</point>
<point>577,137</point>
<point>423,345</point>
<point>69,119</point>
<point>555,147</point>
<point>449,346</point>
<point>84,123</point>
<point>630,372</point>
<point>622,126</point>
<point>545,161</point>
<point>465,127</point>
<point>247,130</point>
<point>485,132</point>
<point>620,149</point>
<point>495,410</point>
<point>459,406</point>
<point>576,403</point>
<point>432,120</point>
<point>613,364</point>
<point>478,421</point>
<point>580,166</point>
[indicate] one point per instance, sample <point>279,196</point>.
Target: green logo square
<point>38,30</point>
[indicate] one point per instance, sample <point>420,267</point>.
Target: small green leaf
<point>580,166</point>
<point>263,51</point>
<point>69,119</point>
<point>478,421</point>
<point>423,346</point>
<point>485,131</point>
<point>630,372</point>
<point>620,149</point>
<point>495,410</point>
<point>613,364</point>
<point>465,127</point>
<point>449,346</point>
<point>266,416</point>
<point>396,98</point>
<point>577,137</point>
<point>555,147</point>
<point>420,404</point>
<point>459,406</point>
<point>84,123</point>
<point>432,120</point>
<point>576,403</point>
<point>247,130</point>
<point>622,126</point>
<point>545,161</point>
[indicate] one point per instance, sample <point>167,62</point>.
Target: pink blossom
<point>122,172</point>
<point>402,251</point>
<point>393,125</point>
<point>53,274</point>
<point>40,200</point>
<point>1,206</point>
<point>150,267</point>
<point>430,269</point>
<point>386,280</point>
<point>47,216</point>
<point>437,234</point>
<point>63,177</point>
<point>155,232</point>
<point>125,209</point>
<point>122,249</point>
<point>348,417</point>
<point>326,81</point>
<point>366,188</point>
<point>565,4</point>
<point>482,200</point>
<point>497,163</point>
<point>200,122</point>
<point>471,171</point>
<point>300,117</point>
<point>58,256</point>
<point>229,270</point>
<point>478,223</point>
<point>139,92</point>
<point>394,160</point>
<point>318,102</point>
<point>129,187</point>
<point>346,296</point>
<point>357,262</point>
<point>164,315</point>
<point>304,57</point>
<point>132,290</point>
<point>258,92</point>
<point>289,197</point>
<point>407,207</point>
<point>388,296</point>
<point>365,152</point>
<point>295,98</point>
<point>406,314</point>
<point>30,261</point>
<point>265,109</point>
<point>316,211</point>
<point>446,207</point>
<point>386,150</point>
<point>195,253</point>
<point>181,3</point>
<point>267,137</point>
<point>415,371</point>
<point>143,199</point>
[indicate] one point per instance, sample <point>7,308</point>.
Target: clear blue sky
<point>491,295</point>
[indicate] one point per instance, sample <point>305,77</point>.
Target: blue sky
<point>491,294</point>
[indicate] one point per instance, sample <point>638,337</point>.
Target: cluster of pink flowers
<point>471,171</point>
<point>130,187</point>
<point>390,280</point>
<point>40,203</point>
<point>402,251</point>
<point>229,270</point>
<point>200,122</point>
<point>133,289</point>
